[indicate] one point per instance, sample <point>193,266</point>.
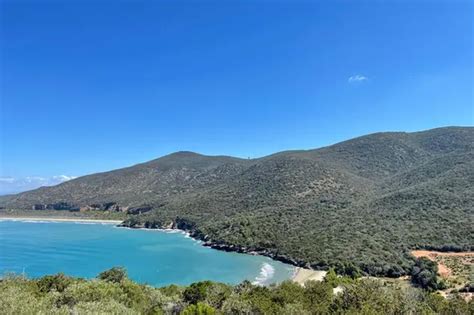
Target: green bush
<point>92,291</point>
<point>424,275</point>
<point>199,309</point>
<point>197,292</point>
<point>19,296</point>
<point>103,307</point>
<point>115,274</point>
<point>318,296</point>
<point>348,269</point>
<point>58,282</point>
<point>206,291</point>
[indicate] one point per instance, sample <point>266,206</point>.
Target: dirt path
<point>433,254</point>
<point>436,256</point>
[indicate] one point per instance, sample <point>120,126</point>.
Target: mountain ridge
<point>350,202</point>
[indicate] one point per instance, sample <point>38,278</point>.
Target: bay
<point>154,257</point>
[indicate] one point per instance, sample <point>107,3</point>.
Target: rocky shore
<point>195,233</point>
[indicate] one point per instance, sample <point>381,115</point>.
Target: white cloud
<point>63,177</point>
<point>6,179</point>
<point>12,185</point>
<point>357,78</point>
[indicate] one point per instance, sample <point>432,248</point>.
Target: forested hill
<point>365,201</point>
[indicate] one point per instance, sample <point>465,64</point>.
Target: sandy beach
<point>56,219</point>
<point>302,275</point>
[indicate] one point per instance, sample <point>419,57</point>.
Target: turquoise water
<point>154,257</point>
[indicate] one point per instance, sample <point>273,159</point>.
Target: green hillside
<point>363,202</point>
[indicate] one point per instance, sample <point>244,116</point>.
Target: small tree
<point>197,292</point>
<point>348,269</point>
<point>115,274</point>
<point>58,282</point>
<point>331,278</point>
<point>424,275</point>
<point>199,309</point>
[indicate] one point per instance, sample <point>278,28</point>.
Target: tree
<point>58,282</point>
<point>331,278</point>
<point>212,293</point>
<point>348,269</point>
<point>318,296</point>
<point>196,292</point>
<point>115,274</point>
<point>424,275</point>
<point>199,309</point>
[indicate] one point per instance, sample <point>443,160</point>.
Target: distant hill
<point>364,201</point>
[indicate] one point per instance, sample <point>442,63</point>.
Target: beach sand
<point>302,275</point>
<point>60,219</point>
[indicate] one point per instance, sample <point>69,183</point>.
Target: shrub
<point>199,309</point>
<point>288,292</point>
<point>58,282</point>
<point>348,269</point>
<point>19,295</point>
<point>235,304</point>
<point>103,307</point>
<point>196,292</point>
<point>92,291</point>
<point>318,296</point>
<point>115,274</point>
<point>206,291</point>
<point>424,275</point>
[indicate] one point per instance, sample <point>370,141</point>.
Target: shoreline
<point>118,224</point>
<point>205,241</point>
<point>59,219</point>
<point>300,274</point>
<point>179,226</point>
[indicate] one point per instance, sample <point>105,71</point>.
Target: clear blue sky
<point>89,86</point>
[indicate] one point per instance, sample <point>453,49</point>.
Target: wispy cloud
<point>6,179</point>
<point>357,78</point>
<point>63,178</point>
<point>11,185</point>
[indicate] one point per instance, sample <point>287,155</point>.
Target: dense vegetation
<point>424,274</point>
<point>113,293</point>
<point>359,206</point>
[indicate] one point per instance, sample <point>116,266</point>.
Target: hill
<point>363,203</point>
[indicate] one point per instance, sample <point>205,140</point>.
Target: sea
<point>153,257</point>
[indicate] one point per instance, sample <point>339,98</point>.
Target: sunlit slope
<point>365,201</point>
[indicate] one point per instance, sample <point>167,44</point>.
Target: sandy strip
<point>61,219</point>
<point>302,275</point>
<point>433,254</point>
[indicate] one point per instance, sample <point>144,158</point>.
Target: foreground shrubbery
<point>114,293</point>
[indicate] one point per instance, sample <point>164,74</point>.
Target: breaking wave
<point>266,273</point>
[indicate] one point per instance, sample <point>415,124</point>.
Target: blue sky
<point>90,86</point>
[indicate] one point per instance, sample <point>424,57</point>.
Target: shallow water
<point>154,257</point>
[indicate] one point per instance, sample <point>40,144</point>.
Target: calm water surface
<point>150,256</point>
